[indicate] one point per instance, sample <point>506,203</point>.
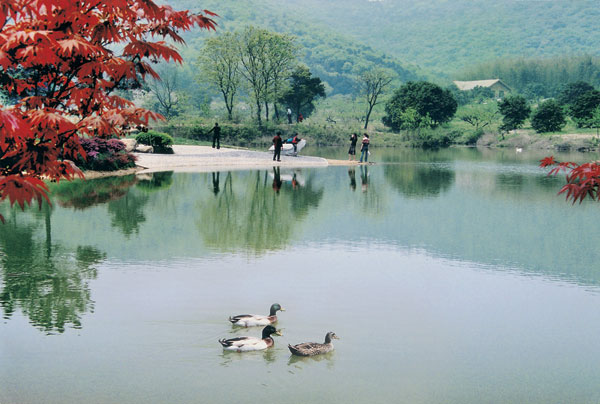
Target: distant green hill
<point>332,56</point>
<point>449,36</point>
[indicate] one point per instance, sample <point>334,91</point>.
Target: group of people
<point>278,145</point>
<point>364,148</point>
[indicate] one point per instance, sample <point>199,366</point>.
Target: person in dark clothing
<point>215,180</point>
<point>278,143</point>
<point>352,150</point>
<point>216,131</point>
<point>276,179</point>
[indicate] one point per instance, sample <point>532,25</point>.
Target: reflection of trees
<point>255,218</point>
<point>48,283</point>
<point>84,194</point>
<point>419,180</point>
<point>128,212</point>
<point>155,181</point>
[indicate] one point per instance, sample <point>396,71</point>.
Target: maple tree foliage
<point>61,62</point>
<point>582,179</point>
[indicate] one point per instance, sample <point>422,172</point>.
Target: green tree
<point>478,115</point>
<point>281,57</point>
<point>572,91</point>
<point>266,58</point>
<point>549,117</point>
<point>514,110</point>
<point>252,43</point>
<point>584,106</point>
<point>303,90</point>
<point>165,95</point>
<point>372,84</point>
<point>595,120</point>
<point>427,99</point>
<point>220,65</point>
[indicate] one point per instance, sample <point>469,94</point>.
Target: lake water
<point>456,276</point>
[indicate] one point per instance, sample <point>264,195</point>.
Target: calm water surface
<point>451,277</point>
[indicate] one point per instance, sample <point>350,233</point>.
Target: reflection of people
<point>276,179</point>
<point>215,180</point>
<point>295,141</point>
<point>216,131</point>
<point>294,182</point>
<point>364,149</point>
<point>289,115</point>
<point>364,178</point>
<point>352,150</point>
<point>352,175</point>
<point>278,143</point>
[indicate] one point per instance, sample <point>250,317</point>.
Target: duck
<point>253,320</point>
<point>314,348</point>
<point>247,344</point>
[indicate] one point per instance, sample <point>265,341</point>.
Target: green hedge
<point>161,142</point>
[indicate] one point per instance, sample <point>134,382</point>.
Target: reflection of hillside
<point>255,217</point>
<point>47,282</point>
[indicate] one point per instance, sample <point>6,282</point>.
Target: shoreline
<point>205,159</point>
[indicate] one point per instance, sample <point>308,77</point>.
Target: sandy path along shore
<point>205,158</point>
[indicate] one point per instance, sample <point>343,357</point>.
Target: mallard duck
<point>252,320</point>
<point>314,348</point>
<point>245,344</point>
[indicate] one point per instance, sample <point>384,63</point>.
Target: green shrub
<point>471,137</point>
<point>433,138</point>
<point>161,142</point>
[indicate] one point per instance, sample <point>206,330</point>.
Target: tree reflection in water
<point>254,214</point>
<point>419,180</point>
<point>46,281</point>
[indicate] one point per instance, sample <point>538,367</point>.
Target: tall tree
<point>220,64</point>
<point>266,59</point>
<point>252,47</point>
<point>166,98</point>
<point>62,61</point>
<point>303,90</point>
<point>372,84</point>
<point>280,59</point>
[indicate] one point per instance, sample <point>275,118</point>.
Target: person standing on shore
<point>364,150</point>
<point>278,143</point>
<point>352,150</point>
<point>216,131</point>
<point>289,115</point>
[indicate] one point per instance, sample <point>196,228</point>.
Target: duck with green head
<point>252,320</point>
<point>314,348</point>
<point>246,344</point>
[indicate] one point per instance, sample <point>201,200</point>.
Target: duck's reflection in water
<point>300,362</point>
<point>269,356</point>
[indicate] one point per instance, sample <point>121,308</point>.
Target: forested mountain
<point>449,36</point>
<point>335,58</point>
